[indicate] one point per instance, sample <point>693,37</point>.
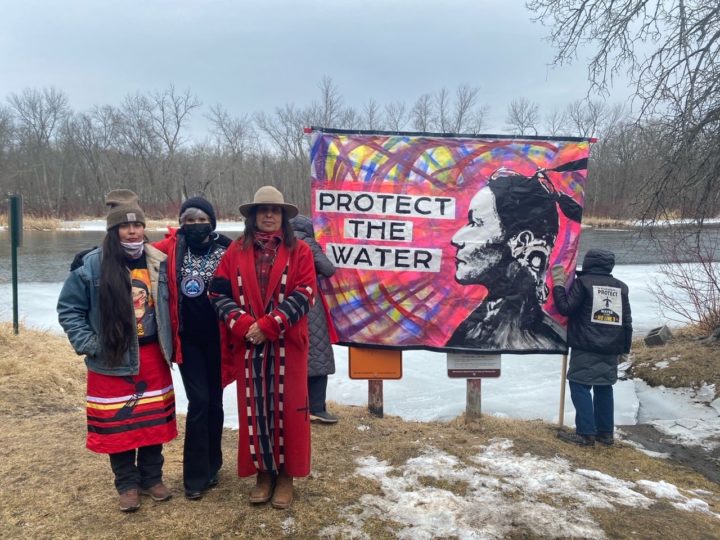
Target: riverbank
<point>372,478</point>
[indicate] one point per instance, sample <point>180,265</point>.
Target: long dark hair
<point>117,319</point>
<point>251,228</point>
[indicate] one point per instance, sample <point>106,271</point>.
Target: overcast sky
<point>252,56</point>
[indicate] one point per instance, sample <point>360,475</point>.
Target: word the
<point>378,229</point>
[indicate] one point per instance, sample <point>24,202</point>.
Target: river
<point>45,255</point>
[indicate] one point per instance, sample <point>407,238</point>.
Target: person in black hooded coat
<point>321,361</point>
<point>599,331</point>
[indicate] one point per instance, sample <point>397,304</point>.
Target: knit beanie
<point>123,208</point>
<point>201,204</point>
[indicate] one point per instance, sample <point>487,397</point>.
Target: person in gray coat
<point>599,331</point>
<point>321,361</point>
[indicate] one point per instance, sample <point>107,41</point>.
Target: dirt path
<point>697,458</point>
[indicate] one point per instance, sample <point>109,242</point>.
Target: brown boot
<point>129,500</point>
<point>263,489</point>
<point>283,496</point>
<point>158,493</point>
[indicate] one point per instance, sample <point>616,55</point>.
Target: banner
<point>445,243</point>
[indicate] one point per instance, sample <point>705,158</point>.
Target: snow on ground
<point>684,414</point>
<point>499,492</point>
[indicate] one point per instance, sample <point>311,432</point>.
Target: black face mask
<point>196,233</point>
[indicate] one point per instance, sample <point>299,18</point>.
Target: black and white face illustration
<point>480,243</point>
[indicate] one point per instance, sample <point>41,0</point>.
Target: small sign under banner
<point>366,363</point>
<point>472,366</point>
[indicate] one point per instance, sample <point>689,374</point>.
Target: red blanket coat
<point>271,378</point>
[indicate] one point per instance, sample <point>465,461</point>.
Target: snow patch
<point>664,490</point>
<point>437,495</point>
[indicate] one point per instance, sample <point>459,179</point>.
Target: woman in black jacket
<point>599,330</point>
<point>321,361</point>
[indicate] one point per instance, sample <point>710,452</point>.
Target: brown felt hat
<point>269,195</point>
<point>123,207</point>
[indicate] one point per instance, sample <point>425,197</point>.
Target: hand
<point>254,335</point>
<point>558,275</point>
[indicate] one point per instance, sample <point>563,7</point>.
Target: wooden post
<point>375,397</point>
<point>472,402</point>
<point>561,415</point>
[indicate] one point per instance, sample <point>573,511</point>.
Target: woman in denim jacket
<point>114,310</point>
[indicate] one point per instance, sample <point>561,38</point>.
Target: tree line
<point>64,161</point>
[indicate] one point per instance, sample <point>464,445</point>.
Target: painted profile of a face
<point>479,242</point>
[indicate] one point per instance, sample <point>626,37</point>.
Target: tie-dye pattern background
<point>419,309</point>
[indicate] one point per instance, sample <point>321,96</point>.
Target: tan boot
<point>263,489</point>
<point>283,496</point>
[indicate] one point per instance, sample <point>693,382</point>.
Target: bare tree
<point>478,119</point>
<point>585,117</point>
<point>522,117</point>
<point>6,131</point>
<point>235,138</point>
<point>442,111</point>
<point>465,99</point>
<point>139,141</point>
<point>690,288</point>
<point>39,115</point>
<point>327,112</point>
<point>93,135</point>
<point>169,113</point>
<point>371,116</point>
<point>422,113</point>
<point>555,122</point>
<point>235,135</point>
<point>396,115</point>
<point>671,52</point>
<point>350,119</point>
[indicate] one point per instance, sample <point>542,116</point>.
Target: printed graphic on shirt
<point>143,303</point>
<point>607,305</point>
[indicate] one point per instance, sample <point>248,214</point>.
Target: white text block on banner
<point>472,366</point>
<point>384,204</point>
<point>378,229</point>
<point>384,258</point>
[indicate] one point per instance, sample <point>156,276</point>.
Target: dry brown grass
<point>691,361</point>
<point>598,222</point>
<point>34,223</point>
<point>53,488</point>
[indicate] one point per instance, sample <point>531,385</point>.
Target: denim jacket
<point>79,313</point>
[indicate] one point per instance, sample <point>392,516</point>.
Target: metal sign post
<point>473,367</point>
<point>16,229</point>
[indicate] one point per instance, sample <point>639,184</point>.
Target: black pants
<point>137,469</point>
<point>200,371</point>
<point>317,389</point>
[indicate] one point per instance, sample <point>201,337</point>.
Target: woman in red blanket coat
<point>262,291</point>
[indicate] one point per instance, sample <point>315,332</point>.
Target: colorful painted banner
<point>445,243</point>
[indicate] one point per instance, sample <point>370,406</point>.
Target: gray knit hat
<point>123,208</point>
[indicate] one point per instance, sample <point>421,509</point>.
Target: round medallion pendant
<point>192,286</point>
